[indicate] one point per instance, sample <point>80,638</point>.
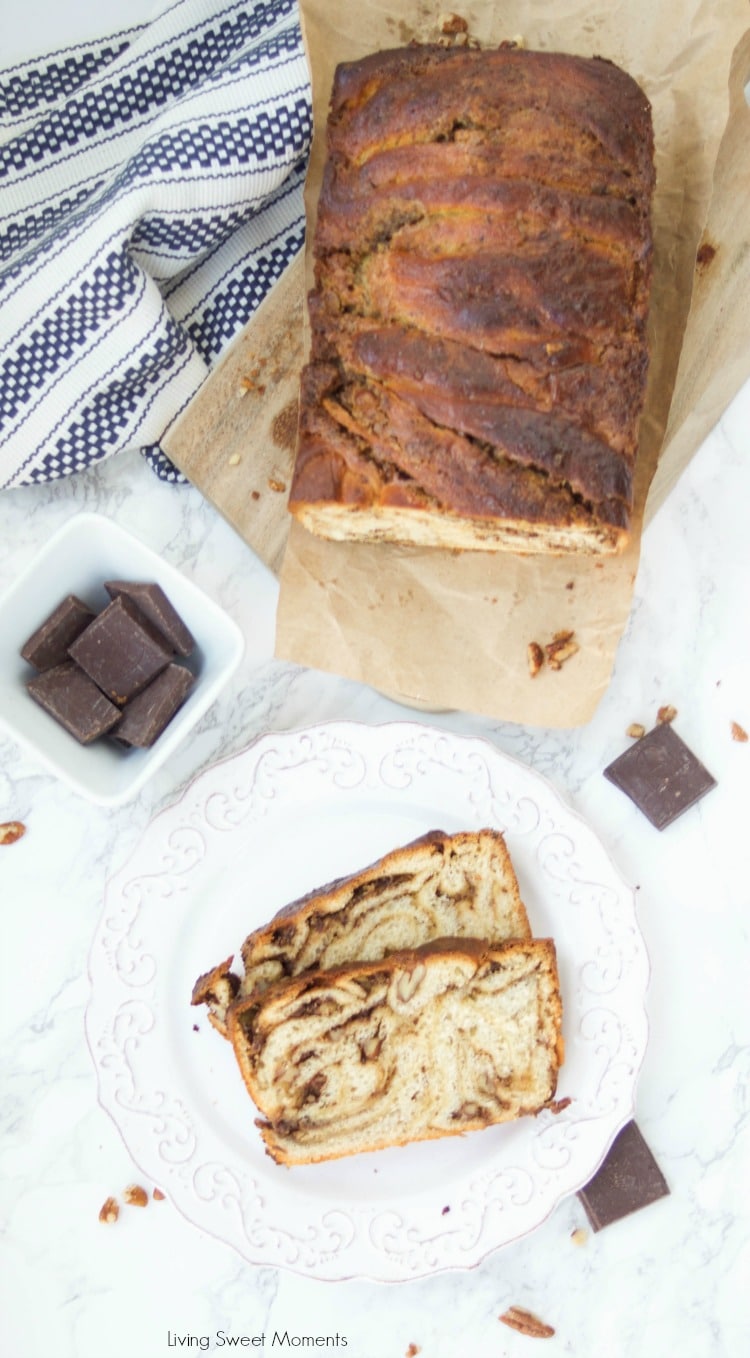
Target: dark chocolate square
<point>661,775</point>
<point>48,645</point>
<point>146,716</point>
<point>628,1179</point>
<point>74,701</point>
<point>154,605</point>
<point>121,651</point>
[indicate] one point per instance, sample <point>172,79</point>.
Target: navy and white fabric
<point>150,195</point>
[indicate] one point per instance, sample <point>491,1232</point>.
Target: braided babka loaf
<point>441,1040</point>
<point>440,885</point>
<point>478,322</point>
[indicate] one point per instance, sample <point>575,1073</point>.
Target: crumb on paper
<point>666,713</point>
<point>738,732</point>
<point>135,1196</point>
<point>562,646</point>
<point>579,1236</point>
<point>706,255</point>
<point>284,426</point>
<point>412,1350</point>
<point>275,484</point>
<point>535,658</point>
<point>109,1211</point>
<point>157,1195</point>
<point>635,730</point>
<point>11,831</point>
<point>526,1323</point>
<point>452,23</point>
<point>445,1211</point>
<point>559,1105</point>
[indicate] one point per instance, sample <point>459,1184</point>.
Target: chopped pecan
<point>135,1196</point>
<point>526,1323</point>
<point>738,732</point>
<point>560,648</point>
<point>666,713</point>
<point>109,1211</point>
<point>157,1195</point>
<point>635,730</point>
<point>11,830</point>
<point>535,658</point>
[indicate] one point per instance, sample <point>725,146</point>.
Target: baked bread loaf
<point>448,1038</point>
<point>482,258</point>
<point>440,885</point>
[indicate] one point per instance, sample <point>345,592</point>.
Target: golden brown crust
<point>483,266</point>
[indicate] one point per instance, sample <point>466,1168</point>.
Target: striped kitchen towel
<point>150,195</point>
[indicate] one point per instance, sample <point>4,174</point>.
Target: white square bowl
<point>85,552</point>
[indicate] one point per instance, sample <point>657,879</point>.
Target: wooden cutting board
<point>235,440</point>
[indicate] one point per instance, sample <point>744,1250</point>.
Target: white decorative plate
<point>252,833</point>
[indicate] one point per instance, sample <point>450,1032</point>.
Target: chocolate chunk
<point>121,651</point>
<point>145,717</point>
<point>661,775</point>
<point>628,1179</point>
<point>74,701</point>
<point>48,645</point>
<point>154,605</point>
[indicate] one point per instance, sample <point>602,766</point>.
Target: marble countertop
<point>670,1278</point>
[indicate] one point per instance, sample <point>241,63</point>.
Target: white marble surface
<point>668,1279</point>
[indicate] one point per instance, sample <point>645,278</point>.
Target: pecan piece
<point>526,1323</point>
<point>738,732</point>
<point>561,648</point>
<point>109,1211</point>
<point>635,730</point>
<point>535,658</point>
<point>666,713</point>
<point>11,830</point>
<point>135,1196</point>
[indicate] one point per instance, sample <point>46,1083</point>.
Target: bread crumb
<point>579,1236</point>
<point>273,484</point>
<point>157,1195</point>
<point>109,1211</point>
<point>635,730</point>
<point>452,23</point>
<point>666,713</point>
<point>254,494</point>
<point>412,1351</point>
<point>738,732</point>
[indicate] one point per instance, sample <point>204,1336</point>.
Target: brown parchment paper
<point>440,630</point>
